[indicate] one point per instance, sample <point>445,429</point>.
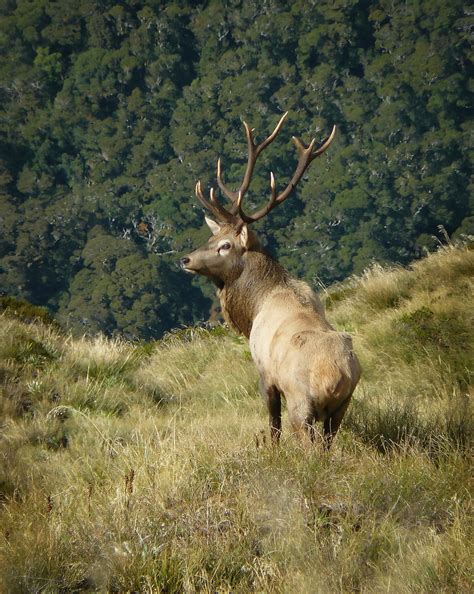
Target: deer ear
<point>213,226</point>
<point>244,237</point>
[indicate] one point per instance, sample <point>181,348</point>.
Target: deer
<point>298,354</point>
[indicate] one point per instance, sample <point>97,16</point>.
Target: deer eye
<point>225,246</point>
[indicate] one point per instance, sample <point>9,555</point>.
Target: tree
<point>110,112</point>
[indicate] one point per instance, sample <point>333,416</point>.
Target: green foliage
<point>111,112</point>
<point>23,310</point>
<point>422,327</point>
<point>445,334</point>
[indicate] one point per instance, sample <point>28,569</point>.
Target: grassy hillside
<point>145,467</point>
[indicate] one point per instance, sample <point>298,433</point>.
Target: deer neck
<point>243,293</point>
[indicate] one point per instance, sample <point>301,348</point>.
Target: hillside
<point>111,111</point>
<point>145,466</point>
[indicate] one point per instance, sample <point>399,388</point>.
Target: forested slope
<point>110,111</point>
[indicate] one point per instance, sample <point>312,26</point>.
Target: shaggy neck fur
<point>243,292</point>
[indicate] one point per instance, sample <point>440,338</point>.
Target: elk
<point>297,352</point>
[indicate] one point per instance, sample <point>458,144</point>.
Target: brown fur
<point>241,296</point>
<point>297,352</point>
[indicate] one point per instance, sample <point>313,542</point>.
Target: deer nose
<point>185,261</point>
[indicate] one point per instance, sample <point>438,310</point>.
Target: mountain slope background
<point>110,111</point>
<point>146,466</point>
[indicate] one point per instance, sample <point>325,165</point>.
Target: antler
<point>235,214</point>
<point>214,206</point>
<point>253,151</point>
<point>306,155</point>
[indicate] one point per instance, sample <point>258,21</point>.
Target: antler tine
<point>306,155</point>
<point>272,184</point>
<point>270,205</point>
<point>325,144</point>
<point>253,151</point>
<point>224,189</point>
<point>272,136</point>
<point>215,202</point>
<point>200,195</point>
<point>214,205</point>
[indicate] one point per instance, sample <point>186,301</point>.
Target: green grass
<point>147,468</point>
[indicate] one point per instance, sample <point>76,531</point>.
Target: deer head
<point>231,236</point>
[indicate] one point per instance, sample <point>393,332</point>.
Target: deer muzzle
<point>185,261</point>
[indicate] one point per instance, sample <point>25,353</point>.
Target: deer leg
<point>273,399</point>
<point>302,421</point>
<point>332,422</point>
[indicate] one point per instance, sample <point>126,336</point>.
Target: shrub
<point>25,311</point>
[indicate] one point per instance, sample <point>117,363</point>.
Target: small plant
<point>337,294</point>
<point>422,327</point>
<point>426,333</point>
<point>190,333</point>
<point>32,352</point>
<point>25,311</point>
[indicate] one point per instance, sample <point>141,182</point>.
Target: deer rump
<point>299,355</point>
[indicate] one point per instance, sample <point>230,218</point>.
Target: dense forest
<point>111,110</point>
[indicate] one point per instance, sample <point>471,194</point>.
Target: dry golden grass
<point>195,367</point>
<point>146,468</point>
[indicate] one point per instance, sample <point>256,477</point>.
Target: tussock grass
<point>201,367</point>
<point>146,468</point>
<point>100,358</point>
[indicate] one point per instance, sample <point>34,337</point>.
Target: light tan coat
<point>298,352</point>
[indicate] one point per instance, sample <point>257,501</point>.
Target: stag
<point>297,352</point>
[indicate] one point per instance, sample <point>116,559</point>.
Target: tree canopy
<point>110,111</point>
